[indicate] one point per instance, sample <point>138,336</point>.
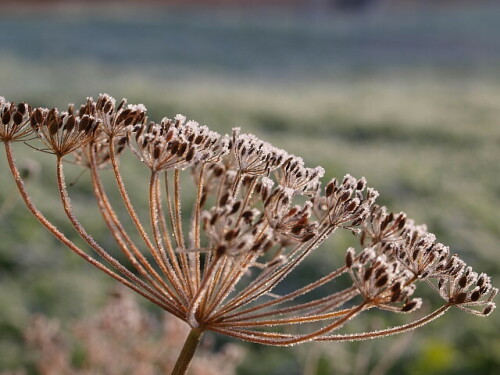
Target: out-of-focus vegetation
<point>135,343</point>
<point>410,100</point>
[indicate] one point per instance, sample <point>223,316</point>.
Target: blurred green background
<point>408,97</point>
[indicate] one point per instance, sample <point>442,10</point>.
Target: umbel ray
<point>258,213</point>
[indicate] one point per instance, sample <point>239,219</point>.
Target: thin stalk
<point>261,285</point>
<point>126,198</point>
<point>62,238</point>
<point>120,241</point>
<point>306,289</point>
<point>285,321</point>
<point>191,275</point>
<point>288,297</point>
<point>177,207</point>
<point>166,236</point>
<point>128,203</point>
<point>215,285</point>
<point>231,278</point>
<point>333,300</point>
<point>236,184</point>
<point>95,246</point>
<point>389,331</point>
<point>182,255</point>
<point>281,339</point>
<point>113,221</point>
<point>196,230</point>
<point>160,254</point>
<point>196,224</point>
<point>118,232</point>
<point>187,352</point>
<point>245,202</point>
<point>200,293</point>
<point>171,210</point>
<point>221,188</point>
<point>234,275</point>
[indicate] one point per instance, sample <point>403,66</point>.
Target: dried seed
<point>349,259</point>
<point>6,118</point>
<point>223,199</point>
<point>17,118</point>
<point>460,298</point>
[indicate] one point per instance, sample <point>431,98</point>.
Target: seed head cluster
<point>257,215</point>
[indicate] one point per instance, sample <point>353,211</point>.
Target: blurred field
<point>410,100</point>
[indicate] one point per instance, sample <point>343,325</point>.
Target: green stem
<point>187,353</point>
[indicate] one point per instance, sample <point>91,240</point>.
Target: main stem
<point>188,350</point>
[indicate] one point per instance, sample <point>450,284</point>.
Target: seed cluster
<point>15,125</point>
<point>175,143</point>
<point>63,133</point>
<point>258,213</point>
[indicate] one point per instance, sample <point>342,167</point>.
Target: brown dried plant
<point>122,338</point>
<point>258,213</point>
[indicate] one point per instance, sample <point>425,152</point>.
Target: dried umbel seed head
<point>346,204</point>
<point>161,148</point>
<point>115,119</point>
<point>382,282</point>
<point>209,146</point>
<point>422,255</point>
<point>382,227</point>
<point>255,157</point>
<point>194,133</point>
<point>63,133</point>
<point>14,121</point>
<point>464,289</point>
<point>220,226</point>
<point>176,144</point>
<point>294,175</point>
<point>291,223</point>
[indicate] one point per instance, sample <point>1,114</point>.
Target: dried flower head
<point>255,157</point>
<point>14,121</point>
<point>258,213</point>
<point>63,133</point>
<point>174,143</point>
<point>114,119</point>
<point>294,175</point>
<point>464,288</point>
